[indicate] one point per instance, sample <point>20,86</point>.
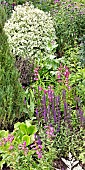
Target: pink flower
<point>10,138</point>
<point>11,147</point>
<point>35,78</point>
<point>56,1</point>
<point>0,143</point>
<point>24,143</point>
<point>49,131</point>
<point>38,147</point>
<point>36,74</point>
<point>40,88</point>
<point>69,87</point>
<point>58,74</point>
<point>45,91</point>
<point>39,154</point>
<point>66,73</point>
<point>23,147</point>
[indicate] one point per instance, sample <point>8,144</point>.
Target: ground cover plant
<point>43,100</point>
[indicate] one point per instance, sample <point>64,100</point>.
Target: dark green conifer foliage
<point>11,91</point>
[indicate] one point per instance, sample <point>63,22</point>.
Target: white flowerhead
<point>29,31</point>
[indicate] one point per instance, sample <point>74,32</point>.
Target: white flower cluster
<point>29,31</point>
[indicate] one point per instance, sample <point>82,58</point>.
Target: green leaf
<point>3,133</point>
<point>23,128</point>
<point>32,138</point>
<point>32,130</point>
<point>16,125</point>
<point>27,139</point>
<point>28,123</point>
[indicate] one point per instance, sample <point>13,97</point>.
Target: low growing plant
<point>15,147</point>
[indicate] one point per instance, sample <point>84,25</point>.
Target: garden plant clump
<point>29,31</point>
<point>42,109</point>
<point>11,92</point>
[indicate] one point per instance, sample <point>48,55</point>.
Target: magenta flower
<point>49,131</point>
<point>36,78</point>
<point>36,74</point>
<point>56,1</point>
<point>38,147</point>
<point>5,140</point>
<point>66,73</point>
<point>39,154</point>
<point>0,143</point>
<point>45,91</point>
<point>10,138</point>
<point>23,147</point>
<point>40,88</point>
<point>11,147</point>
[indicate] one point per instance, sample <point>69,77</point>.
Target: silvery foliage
<point>71,163</point>
<point>30,31</point>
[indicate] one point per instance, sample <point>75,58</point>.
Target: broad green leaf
<point>28,123</point>
<point>16,125</point>
<point>23,128</point>
<point>32,138</point>
<point>3,133</point>
<point>32,130</point>
<point>27,139</point>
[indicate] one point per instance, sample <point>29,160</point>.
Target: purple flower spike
<point>57,101</point>
<point>55,119</point>
<point>65,110</point>
<point>64,94</point>
<point>81,117</point>
<point>36,111</point>
<point>44,108</point>
<point>53,110</point>
<point>58,112</point>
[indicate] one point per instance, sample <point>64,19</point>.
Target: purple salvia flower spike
<point>65,110</point>
<point>64,94</point>
<point>44,108</point>
<point>81,117</point>
<point>53,110</point>
<point>69,118</point>
<point>58,111</point>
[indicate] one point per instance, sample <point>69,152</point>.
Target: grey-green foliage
<point>2,17</point>
<point>11,92</point>
<point>82,51</point>
<point>30,31</point>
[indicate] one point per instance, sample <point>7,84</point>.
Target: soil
<point>58,164</point>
